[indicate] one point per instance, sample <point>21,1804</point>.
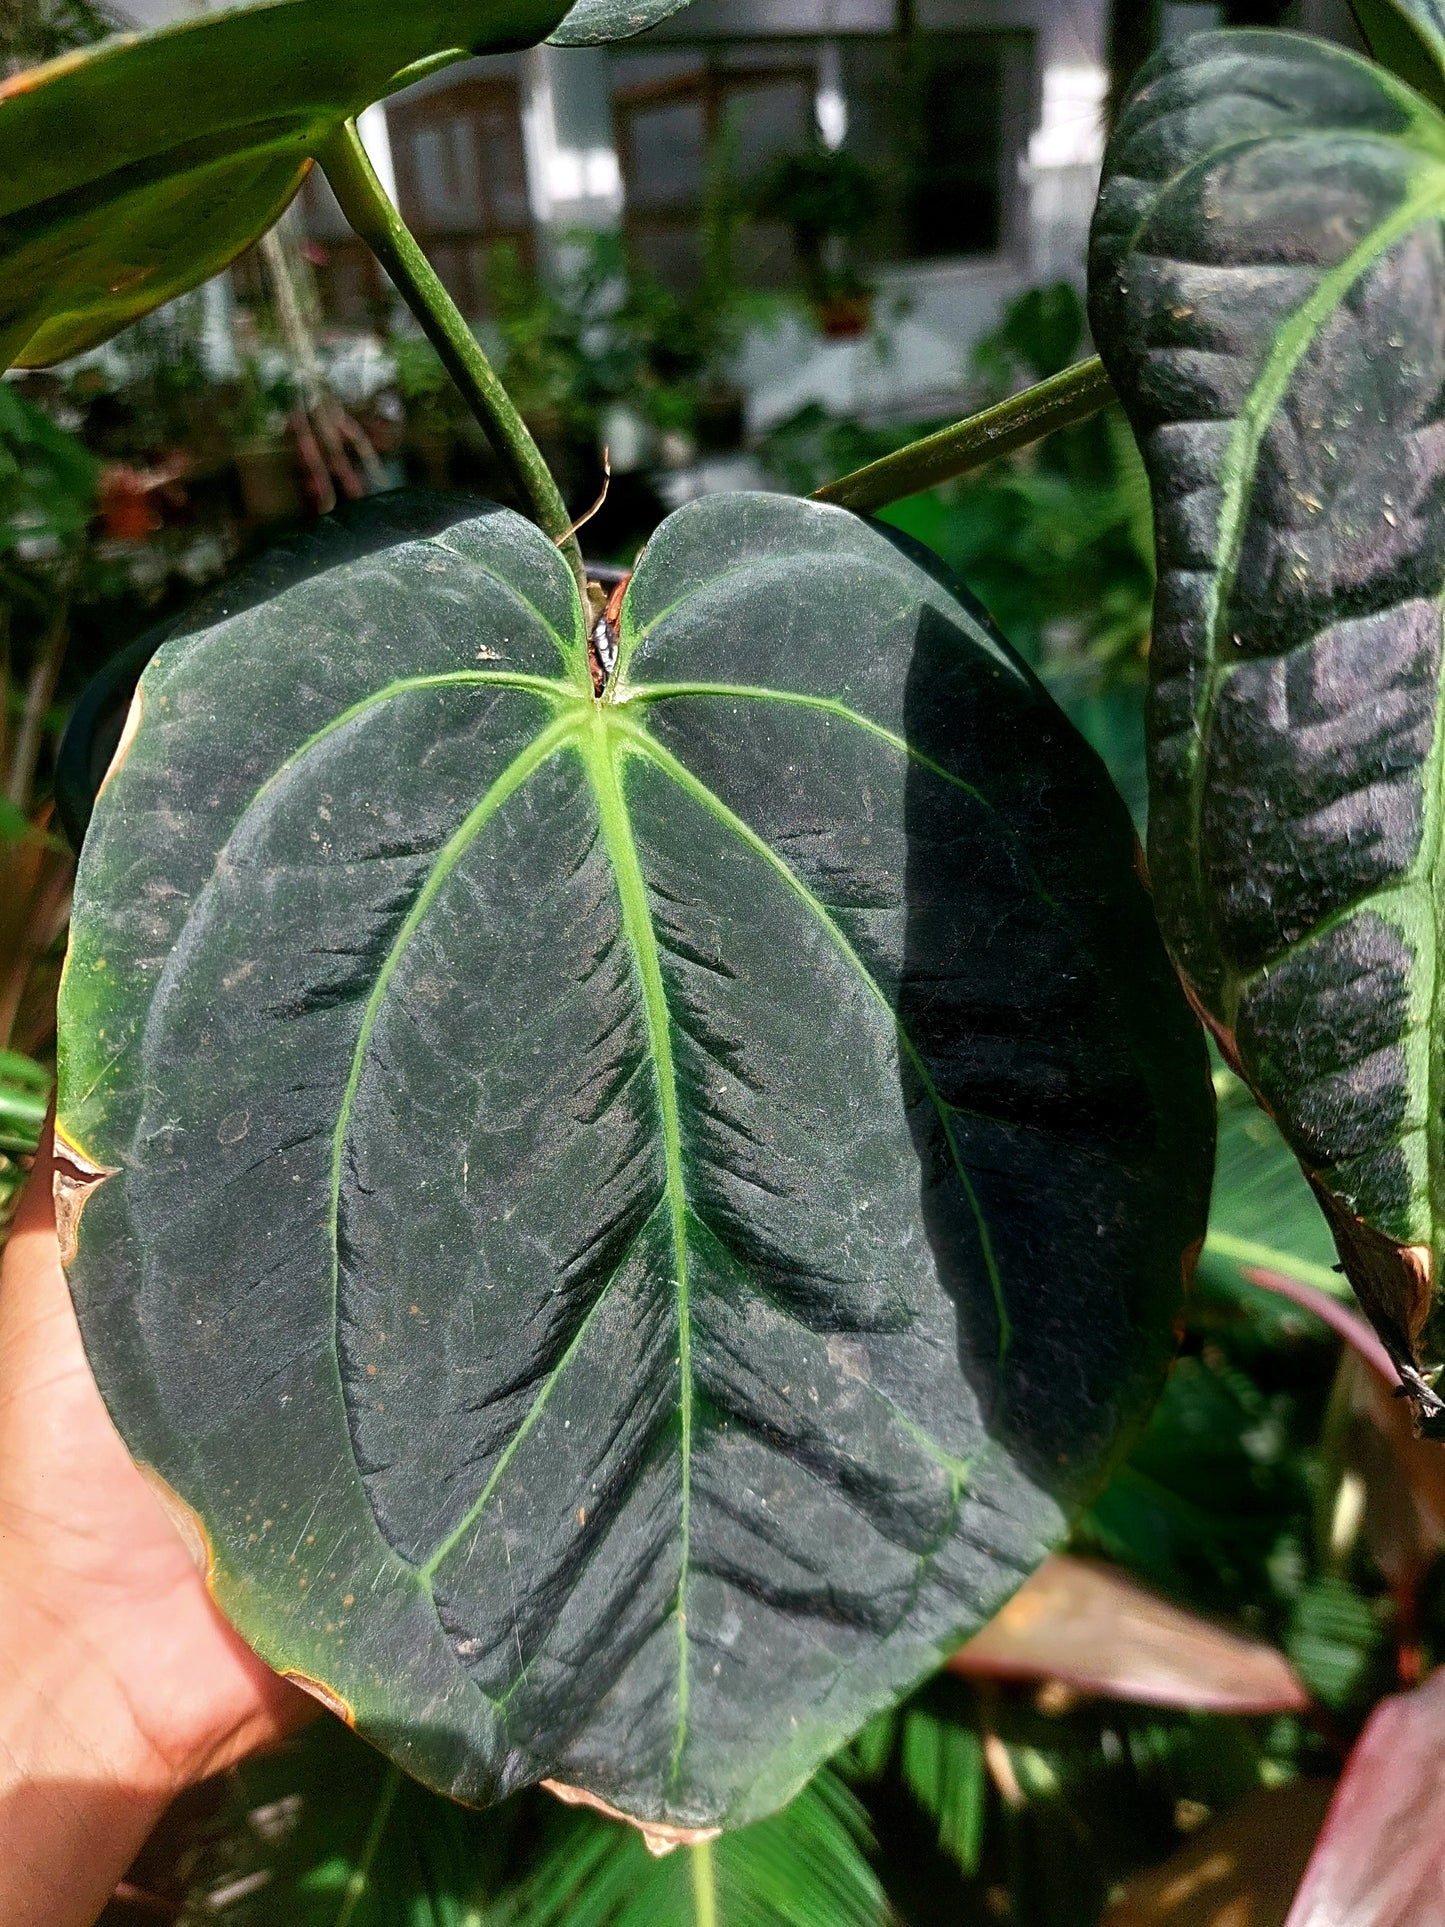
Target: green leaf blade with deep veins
<point>633,1223</point>
<point>1268,286</point>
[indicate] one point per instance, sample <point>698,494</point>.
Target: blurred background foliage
<point>1158,1751</point>
<point>35,30</point>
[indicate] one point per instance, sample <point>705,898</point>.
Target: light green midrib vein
<point>542,746</point>
<point>572,652</point>
<point>538,1405</point>
<point>1241,458</point>
<point>600,758</point>
<point>544,686</point>
<point>1429,870</point>
<point>831,706</point>
<point>647,746</point>
<point>1239,471</point>
<point>1239,468</point>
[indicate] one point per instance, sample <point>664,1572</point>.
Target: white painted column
<point>371,125</point>
<point>830,103</point>
<point>1067,144</point>
<point>573,176</point>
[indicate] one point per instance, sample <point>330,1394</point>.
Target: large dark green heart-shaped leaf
<point>132,170</point>
<point>1269,295</point>
<point>632,1221</point>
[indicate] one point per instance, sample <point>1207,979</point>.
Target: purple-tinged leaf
<point>1098,1631</point>
<point>1380,1861</point>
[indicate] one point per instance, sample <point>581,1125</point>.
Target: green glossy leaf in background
<point>132,170</point>
<point>24,1100</point>
<point>48,478</point>
<point>1408,37</point>
<point>633,1222</point>
<point>288,1852</point>
<point>1268,291</point>
<point>1262,1215</point>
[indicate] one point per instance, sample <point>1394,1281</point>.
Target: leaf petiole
<point>365,204</point>
<point>1072,396</point>
<point>704,1885</point>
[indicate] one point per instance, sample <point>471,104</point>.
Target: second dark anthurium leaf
<point>632,1222</point>
<point>1268,292</point>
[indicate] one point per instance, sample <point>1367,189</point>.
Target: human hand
<point>120,1683</point>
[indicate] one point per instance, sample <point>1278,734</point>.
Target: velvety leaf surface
<point>633,1221</point>
<point>1268,290</point>
<point>132,170</point>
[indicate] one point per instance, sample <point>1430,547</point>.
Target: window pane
<point>666,159</point>
<point>445,158</point>
<point>953,202</point>
<point>503,167</point>
<point>928,116</point>
<point>767,118</point>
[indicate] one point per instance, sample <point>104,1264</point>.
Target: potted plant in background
<point>826,197</point>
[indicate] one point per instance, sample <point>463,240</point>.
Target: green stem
<point>704,1885</point>
<point>419,69</point>
<point>1063,399</point>
<point>359,1884</point>
<point>364,203</point>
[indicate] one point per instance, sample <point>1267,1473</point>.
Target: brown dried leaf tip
<point>128,734</point>
<point>326,1695</point>
<point>658,1839</point>
<point>187,1521</point>
<point>74,1178</point>
<point>1395,1286</point>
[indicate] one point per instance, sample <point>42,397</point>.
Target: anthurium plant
<point>1266,294</point>
<point>628,1154</point>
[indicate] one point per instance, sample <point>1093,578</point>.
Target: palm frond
<point>805,1867</point>
<point>326,1833</point>
<point>943,1768</point>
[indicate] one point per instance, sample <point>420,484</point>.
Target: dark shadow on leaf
<point>1061,1112</point>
